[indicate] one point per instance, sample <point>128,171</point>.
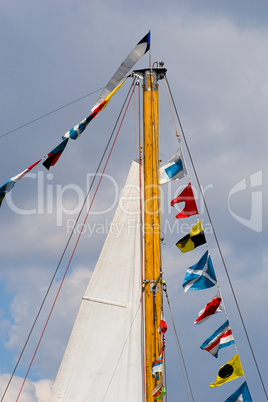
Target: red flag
<point>190,207</point>
<point>213,306</point>
<point>163,325</point>
<point>54,155</point>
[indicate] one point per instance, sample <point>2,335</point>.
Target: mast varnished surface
<point>152,252</point>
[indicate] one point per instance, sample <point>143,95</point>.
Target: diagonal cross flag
<point>201,275</point>
<point>240,395</point>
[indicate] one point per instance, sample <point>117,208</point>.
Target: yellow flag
<point>192,240</point>
<point>108,97</point>
<point>228,372</point>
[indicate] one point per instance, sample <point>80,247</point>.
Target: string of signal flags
<point>202,276</point>
<point>110,89</point>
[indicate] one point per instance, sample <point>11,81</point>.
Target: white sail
<point>103,359</point>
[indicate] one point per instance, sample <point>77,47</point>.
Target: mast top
<point>158,69</point>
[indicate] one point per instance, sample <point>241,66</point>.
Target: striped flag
<point>5,188</point>
<point>158,367</point>
<point>164,342</point>
<point>213,306</point>
<point>221,338</point>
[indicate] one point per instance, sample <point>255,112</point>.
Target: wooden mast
<point>152,246</point>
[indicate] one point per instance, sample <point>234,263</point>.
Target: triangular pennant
<point>190,207</point>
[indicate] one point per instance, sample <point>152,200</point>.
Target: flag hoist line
<point>218,245</point>
<point>125,105</point>
<point>79,236</point>
<point>109,90</point>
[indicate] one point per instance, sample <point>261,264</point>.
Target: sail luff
<point>103,359</point>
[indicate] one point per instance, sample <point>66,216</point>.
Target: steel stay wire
<point>218,245</point>
<point>48,113</point>
<point>55,110</point>
<point>76,244</point>
<point>67,244</point>
<point>182,361</point>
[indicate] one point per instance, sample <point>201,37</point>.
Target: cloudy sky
<point>53,53</point>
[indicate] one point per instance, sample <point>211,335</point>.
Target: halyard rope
<point>79,236</point>
<point>219,248</point>
<point>67,244</point>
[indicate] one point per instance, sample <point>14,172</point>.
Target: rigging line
<point>66,246</point>
<point>165,373</point>
<point>159,237</point>
<point>54,110</point>
<point>182,361</point>
<point>219,248</point>
<point>141,240</point>
<point>159,242</point>
<point>173,117</point>
<point>49,113</point>
<point>135,124</point>
<point>77,241</point>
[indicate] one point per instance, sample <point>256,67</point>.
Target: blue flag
<point>201,275</point>
<point>174,169</point>
<point>241,394</point>
<point>221,338</point>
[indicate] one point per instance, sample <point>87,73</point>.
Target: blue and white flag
<point>240,395</point>
<point>221,338</point>
<point>201,275</point>
<point>174,169</point>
